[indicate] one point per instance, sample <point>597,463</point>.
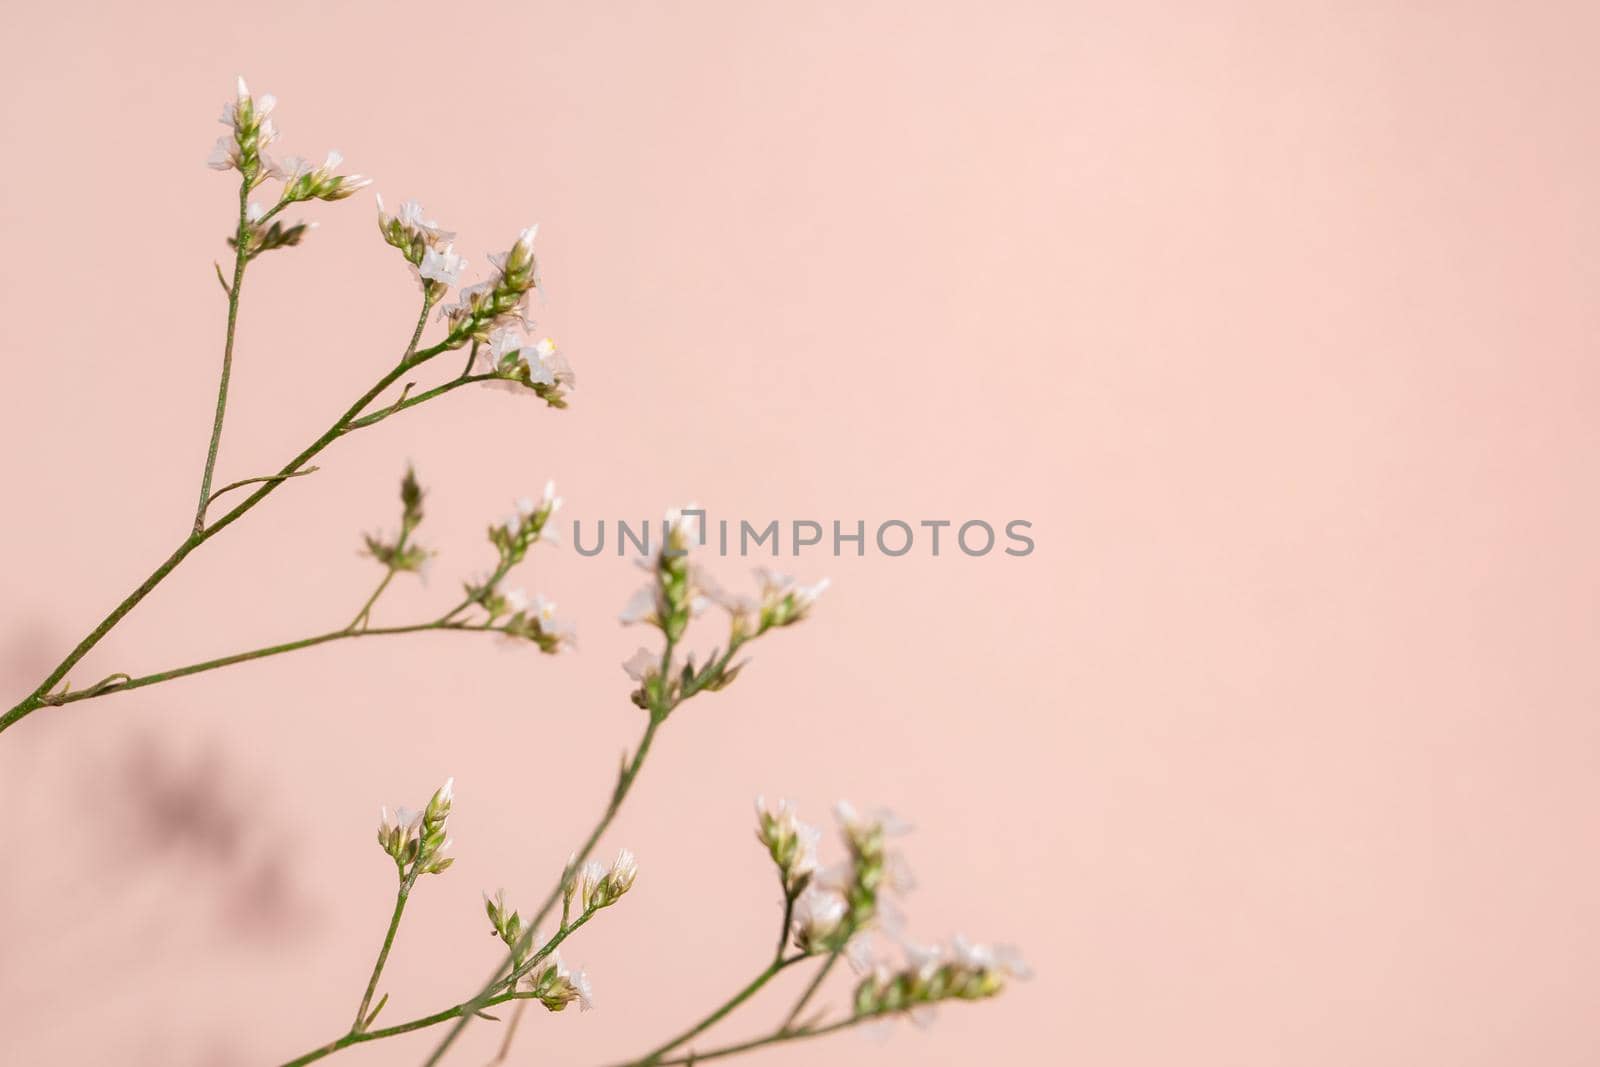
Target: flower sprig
<point>960,971</point>
<point>677,592</point>
<point>417,841</point>
<point>828,911</point>
<point>250,131</point>
<point>516,363</point>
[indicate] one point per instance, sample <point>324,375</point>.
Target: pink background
<point>1278,320</point>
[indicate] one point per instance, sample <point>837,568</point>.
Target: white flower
<point>923,960</point>
<point>260,106</point>
<point>546,367</point>
<point>641,665</point>
<point>442,265</point>
<point>897,873</point>
<point>542,609</point>
<point>858,953</point>
<point>254,212</point>
<point>624,869</point>
<point>503,342</point>
<point>591,878</point>
<point>539,374</point>
<point>881,818</point>
<point>400,819</point>
<point>224,156</point>
<point>552,503</point>
<point>516,600</point>
<point>580,983</point>
<point>410,216</point>
<point>686,521</point>
<point>977,957</point>
<point>817,915</point>
<point>641,607</point>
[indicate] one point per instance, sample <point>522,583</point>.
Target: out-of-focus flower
<point>791,843</point>
<point>819,920</point>
<point>642,664</point>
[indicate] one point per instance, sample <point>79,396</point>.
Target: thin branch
<point>40,696</point>
<point>777,1037</point>
<point>401,896</point>
<point>421,398</point>
<point>109,687</point>
<point>511,1035</point>
<point>619,793</point>
<point>464,1010</point>
<point>241,256</point>
<point>377,417</point>
<point>241,483</point>
<point>722,1011</point>
<point>811,990</point>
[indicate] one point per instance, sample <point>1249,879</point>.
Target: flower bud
<point>791,843</point>
<point>819,920</point>
<point>250,131</point>
<point>555,986</point>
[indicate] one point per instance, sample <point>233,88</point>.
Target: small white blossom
<point>410,216</point>
<point>979,957</point>
<point>590,879</point>
<point>543,608</point>
<point>641,665</point>
<point>817,916</point>
<point>641,607</point>
<point>858,953</point>
<point>503,342</point>
<point>400,819</point>
<point>442,265</point>
<point>881,818</point>
<point>224,155</point>
<point>624,869</point>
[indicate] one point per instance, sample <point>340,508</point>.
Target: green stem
<point>400,898</point>
<point>40,696</point>
<point>263,653</point>
<point>365,614</point>
<point>788,917</point>
<point>777,1037</point>
<point>811,990</point>
<point>395,1031</point>
<point>722,1012</point>
<point>241,255</point>
<point>625,782</point>
<point>413,401</point>
<point>462,1010</point>
<point>366,609</point>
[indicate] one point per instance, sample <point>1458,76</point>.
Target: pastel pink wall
<point>1278,320</point>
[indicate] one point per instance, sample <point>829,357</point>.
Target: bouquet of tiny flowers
<point>838,910</point>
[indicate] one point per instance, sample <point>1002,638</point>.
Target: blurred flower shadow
<point>191,809</point>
